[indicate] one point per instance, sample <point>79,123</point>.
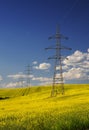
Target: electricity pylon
<point>28,75</point>
<point>58,84</point>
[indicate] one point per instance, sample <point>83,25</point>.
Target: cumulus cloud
<point>11,85</point>
<point>19,75</point>
<point>75,73</point>
<point>88,49</point>
<point>1,78</point>
<point>14,84</point>
<point>77,57</point>
<point>43,66</point>
<point>77,66</point>
<point>41,79</point>
<point>34,62</point>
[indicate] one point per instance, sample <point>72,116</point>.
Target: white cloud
<point>41,79</point>
<point>88,55</point>
<point>11,85</point>
<point>34,62</point>
<point>45,83</point>
<point>65,67</point>
<point>88,50</point>
<point>1,78</point>
<point>75,73</point>
<point>19,75</point>
<point>77,57</point>
<point>14,84</point>
<point>43,66</point>
<point>77,66</point>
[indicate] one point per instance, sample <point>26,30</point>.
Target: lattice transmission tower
<point>58,83</point>
<point>28,70</point>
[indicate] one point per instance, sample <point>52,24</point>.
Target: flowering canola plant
<point>37,110</point>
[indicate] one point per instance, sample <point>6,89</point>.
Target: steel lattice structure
<point>28,75</point>
<point>58,84</point>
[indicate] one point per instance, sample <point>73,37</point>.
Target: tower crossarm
<point>51,47</point>
<point>62,47</point>
<point>67,48</point>
<point>58,57</point>
<point>58,36</point>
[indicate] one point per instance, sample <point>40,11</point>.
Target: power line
<point>58,72</point>
<point>69,11</point>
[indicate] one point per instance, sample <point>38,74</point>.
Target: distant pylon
<point>58,84</point>
<point>28,70</point>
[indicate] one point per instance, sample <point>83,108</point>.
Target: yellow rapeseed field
<point>34,109</point>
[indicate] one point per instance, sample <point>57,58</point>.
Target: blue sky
<point>25,26</point>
